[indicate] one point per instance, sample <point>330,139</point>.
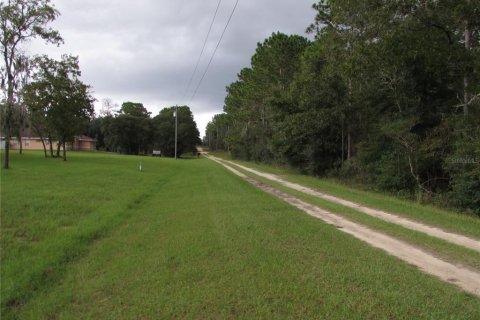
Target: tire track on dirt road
<point>466,279</point>
<point>436,232</point>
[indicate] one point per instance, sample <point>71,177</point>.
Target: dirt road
<point>465,279</point>
<point>457,239</point>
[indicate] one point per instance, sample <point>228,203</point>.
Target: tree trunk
<point>64,151</point>
<point>263,116</point>
<point>8,120</point>
<point>349,146</point>
<point>51,145</point>
<point>343,144</point>
<point>41,139</point>
<point>59,143</point>
<point>8,115</point>
<point>7,151</point>
<point>44,147</point>
<point>466,80</point>
<point>227,145</point>
<point>21,145</point>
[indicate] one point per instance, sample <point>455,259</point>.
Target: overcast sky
<point>145,50</point>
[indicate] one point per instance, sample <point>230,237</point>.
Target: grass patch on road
<point>448,220</point>
<point>187,239</point>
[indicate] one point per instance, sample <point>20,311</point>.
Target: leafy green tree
<point>20,21</point>
<point>130,131</point>
<point>58,92</point>
<point>259,100</point>
<point>463,162</point>
<point>134,109</point>
<point>311,134</point>
<point>164,131</point>
<point>98,127</point>
<point>216,132</point>
<point>93,129</point>
<point>37,108</point>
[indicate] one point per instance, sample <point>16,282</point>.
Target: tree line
<point>386,95</point>
<point>132,130</point>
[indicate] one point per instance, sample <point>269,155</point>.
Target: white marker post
<point>140,167</point>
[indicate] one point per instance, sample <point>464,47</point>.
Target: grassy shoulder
<point>445,219</point>
<point>187,239</point>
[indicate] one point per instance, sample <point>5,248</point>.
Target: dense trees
<point>387,94</point>
<point>216,132</point>
<point>132,131</point>
<point>164,131</point>
<point>259,100</point>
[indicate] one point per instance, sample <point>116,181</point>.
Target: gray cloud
<point>145,50</point>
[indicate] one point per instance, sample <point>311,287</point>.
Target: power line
<point>214,51</point>
<point>203,49</point>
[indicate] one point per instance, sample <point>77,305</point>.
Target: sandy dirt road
<point>464,278</point>
<point>457,239</point>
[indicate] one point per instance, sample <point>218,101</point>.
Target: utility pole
<point>176,127</point>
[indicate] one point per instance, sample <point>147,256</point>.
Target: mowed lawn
<point>95,238</point>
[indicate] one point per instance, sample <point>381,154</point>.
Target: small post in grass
<point>140,167</point>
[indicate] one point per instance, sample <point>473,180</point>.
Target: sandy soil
<point>465,279</point>
<point>387,216</point>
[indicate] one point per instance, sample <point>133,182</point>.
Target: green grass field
<point>94,238</point>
